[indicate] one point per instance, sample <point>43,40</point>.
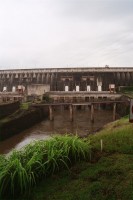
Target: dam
<point>65,84</point>
<point>66,79</point>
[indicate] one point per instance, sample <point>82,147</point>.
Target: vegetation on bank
<point>23,169</point>
<point>127,91</point>
<point>108,176</point>
<point>106,171</point>
<point>47,99</point>
<point>25,106</point>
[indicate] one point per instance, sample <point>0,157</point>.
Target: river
<point>61,124</point>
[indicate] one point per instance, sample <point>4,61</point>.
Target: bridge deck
<point>77,104</point>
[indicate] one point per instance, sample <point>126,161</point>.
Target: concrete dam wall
<point>66,79</point>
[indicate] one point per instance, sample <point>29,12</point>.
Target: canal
<point>61,124</point>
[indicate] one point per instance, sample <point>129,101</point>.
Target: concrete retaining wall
<point>24,121</point>
<point>8,108</point>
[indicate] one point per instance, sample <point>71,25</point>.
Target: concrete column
<point>34,75</point>
<point>20,79</point>
<point>38,78</point>
<point>43,78</point>
<point>51,81</point>
<point>51,116</point>
<point>11,78</point>
<point>47,78</point>
<point>114,111</point>
<point>71,112</point>
<point>92,113</point>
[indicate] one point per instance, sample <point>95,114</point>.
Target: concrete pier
<point>71,112</point>
<point>51,115</point>
<point>92,113</point>
<point>114,111</point>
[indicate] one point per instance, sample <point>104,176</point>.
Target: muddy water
<point>61,124</point>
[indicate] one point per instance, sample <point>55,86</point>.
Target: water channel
<point>61,124</point>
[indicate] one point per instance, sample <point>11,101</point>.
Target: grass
<point>126,88</point>
<point>23,169</point>
<point>127,91</point>
<point>77,169</point>
<point>25,106</point>
<point>117,137</point>
<point>109,175</point>
<point>110,178</point>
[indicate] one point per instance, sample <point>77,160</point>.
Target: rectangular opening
<point>88,88</point>
<point>77,88</point>
<point>13,89</point>
<point>99,88</point>
<point>4,89</point>
<point>66,88</point>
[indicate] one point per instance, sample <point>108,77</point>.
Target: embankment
<point>8,108</point>
<point>22,120</point>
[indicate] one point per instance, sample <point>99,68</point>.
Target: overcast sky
<point>66,33</point>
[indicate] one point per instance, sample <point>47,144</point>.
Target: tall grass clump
<point>25,168</point>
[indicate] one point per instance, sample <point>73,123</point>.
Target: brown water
<point>61,124</point>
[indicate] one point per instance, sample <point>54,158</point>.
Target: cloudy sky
<point>66,33</point>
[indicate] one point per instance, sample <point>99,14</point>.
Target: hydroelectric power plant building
<point>69,79</point>
<point>57,81</point>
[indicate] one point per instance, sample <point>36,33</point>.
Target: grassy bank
<point>94,173</point>
<point>109,175</point>
<point>24,169</point>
